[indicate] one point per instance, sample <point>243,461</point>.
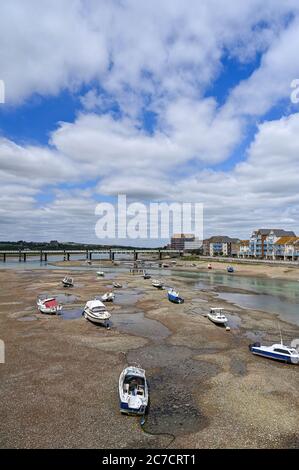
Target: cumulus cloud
<point>159,57</point>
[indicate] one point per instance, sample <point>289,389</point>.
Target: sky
<point>163,101</point>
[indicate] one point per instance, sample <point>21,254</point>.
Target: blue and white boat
<point>230,269</point>
<point>174,297</point>
<point>279,352</point>
<point>133,391</point>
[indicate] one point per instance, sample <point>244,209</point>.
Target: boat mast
<point>281,342</point>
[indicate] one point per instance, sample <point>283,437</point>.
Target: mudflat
<point>59,382</point>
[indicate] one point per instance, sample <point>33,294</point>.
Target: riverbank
<point>59,381</point>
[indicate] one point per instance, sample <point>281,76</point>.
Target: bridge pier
<point>20,256</point>
<point>25,257</point>
<point>90,256</point>
<point>68,256</point>
<point>111,255</point>
<point>46,257</point>
<point>87,255</point>
<point>160,254</point>
<point>135,255</point>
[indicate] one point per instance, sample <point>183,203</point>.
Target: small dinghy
<point>100,273</point>
<point>165,265</point>
<point>216,316</point>
<point>209,266</point>
<point>279,352</point>
<point>230,269</point>
<point>49,305</point>
<point>95,311</point>
<point>146,275</point>
<point>117,285</point>
<point>133,391</point>
<point>68,282</point>
<point>158,284</point>
<point>174,297</point>
<point>108,297</point>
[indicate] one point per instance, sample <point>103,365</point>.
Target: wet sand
<point>59,384</point>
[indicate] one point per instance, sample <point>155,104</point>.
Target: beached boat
<point>117,285</point>
<point>279,352</point>
<point>174,297</point>
<point>108,297</point>
<point>68,282</point>
<point>49,305</point>
<point>133,391</point>
<point>230,269</point>
<point>146,275</point>
<point>209,266</point>
<point>217,316</point>
<point>165,265</point>
<point>100,273</point>
<point>95,311</point>
<point>158,284</point>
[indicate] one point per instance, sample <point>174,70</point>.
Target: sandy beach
<point>59,383</point>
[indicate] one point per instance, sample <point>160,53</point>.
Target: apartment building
<point>262,241</point>
<point>222,246</point>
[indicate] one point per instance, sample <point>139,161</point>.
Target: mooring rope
<point>142,422</point>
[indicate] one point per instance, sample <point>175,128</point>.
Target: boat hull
<point>216,320</point>
<point>97,320</point>
<point>125,409</point>
<point>271,355</point>
<point>175,299</point>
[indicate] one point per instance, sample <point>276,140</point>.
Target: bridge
<point>22,255</point>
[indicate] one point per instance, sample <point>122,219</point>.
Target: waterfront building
<point>223,246</point>
<point>262,241</point>
<point>287,248</point>
<point>243,249</point>
<point>185,241</point>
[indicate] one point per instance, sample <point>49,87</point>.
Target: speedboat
<point>279,352</point>
<point>230,269</point>
<point>68,282</point>
<point>49,305</point>
<point>174,297</point>
<point>158,284</point>
<point>100,273</point>
<point>108,297</point>
<point>133,391</point>
<point>216,316</point>
<point>117,285</point>
<point>95,311</point>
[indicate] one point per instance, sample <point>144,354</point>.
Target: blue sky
<point>189,105</point>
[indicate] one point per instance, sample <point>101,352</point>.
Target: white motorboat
<point>100,273</point>
<point>49,305</point>
<point>67,282</point>
<point>158,284</point>
<point>108,297</point>
<point>174,296</point>
<point>279,352</point>
<point>117,285</point>
<point>95,311</point>
<point>133,391</point>
<point>217,316</point>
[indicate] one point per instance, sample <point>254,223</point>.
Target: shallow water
<point>288,311</point>
<point>270,295</point>
<point>71,313</point>
<point>138,324</point>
